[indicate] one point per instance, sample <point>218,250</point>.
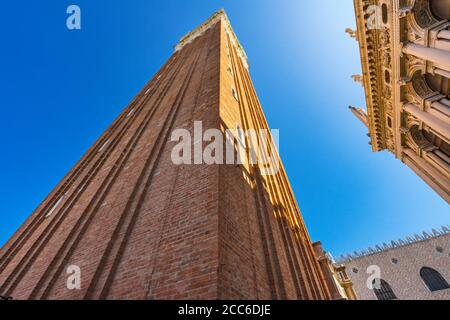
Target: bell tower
<point>136,225</point>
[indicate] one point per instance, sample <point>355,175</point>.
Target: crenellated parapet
<point>409,240</point>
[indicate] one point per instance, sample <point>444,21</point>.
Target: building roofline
<point>381,248</point>
<point>369,56</point>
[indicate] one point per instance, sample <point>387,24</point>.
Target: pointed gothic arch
<point>384,292</point>
<point>433,279</point>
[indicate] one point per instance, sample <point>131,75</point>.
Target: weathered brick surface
<point>140,227</point>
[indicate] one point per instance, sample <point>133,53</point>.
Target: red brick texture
<point>141,227</point>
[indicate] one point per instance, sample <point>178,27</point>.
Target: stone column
<point>442,44</point>
<point>432,121</point>
<point>438,56</point>
<point>438,181</point>
<point>444,34</point>
<point>441,111</point>
<point>443,73</point>
<point>446,102</point>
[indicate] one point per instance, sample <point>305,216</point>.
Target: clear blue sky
<point>60,89</point>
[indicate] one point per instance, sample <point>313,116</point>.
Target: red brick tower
<point>139,226</point>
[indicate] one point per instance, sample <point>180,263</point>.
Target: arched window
<point>384,292</point>
<point>433,279</point>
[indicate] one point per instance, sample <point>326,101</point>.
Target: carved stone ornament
<point>420,85</point>
<point>419,139</point>
<point>423,15</point>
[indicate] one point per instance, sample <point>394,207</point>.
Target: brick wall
<point>140,227</point>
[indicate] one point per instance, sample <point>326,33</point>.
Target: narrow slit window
<point>230,70</point>
<point>235,94</point>
<point>384,13</point>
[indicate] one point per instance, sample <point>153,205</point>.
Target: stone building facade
<point>405,57</point>
<point>139,226</point>
<point>416,268</point>
<point>335,274</point>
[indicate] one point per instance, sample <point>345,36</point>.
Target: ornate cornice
<point>216,17</point>
<point>372,43</point>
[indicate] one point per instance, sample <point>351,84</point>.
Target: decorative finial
<point>358,78</point>
<point>361,114</point>
<point>352,33</point>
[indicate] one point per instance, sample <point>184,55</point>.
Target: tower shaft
<point>139,226</point>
